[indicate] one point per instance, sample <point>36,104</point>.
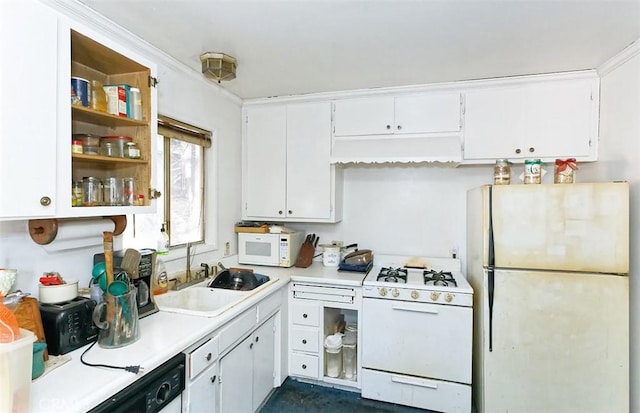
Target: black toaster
<point>68,325</point>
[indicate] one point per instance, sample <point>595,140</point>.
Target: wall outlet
<point>227,249</point>
<point>453,251</point>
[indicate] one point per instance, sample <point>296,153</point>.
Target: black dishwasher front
<point>152,392</point>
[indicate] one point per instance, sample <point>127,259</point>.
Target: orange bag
<point>9,330</point>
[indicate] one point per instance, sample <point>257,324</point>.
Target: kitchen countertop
<point>74,387</point>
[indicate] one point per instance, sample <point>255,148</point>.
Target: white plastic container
<point>333,355</point>
<point>16,361</point>
<point>330,255</point>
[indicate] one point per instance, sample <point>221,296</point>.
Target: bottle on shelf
<point>163,242</point>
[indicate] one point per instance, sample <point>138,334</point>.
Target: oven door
<point>418,339</point>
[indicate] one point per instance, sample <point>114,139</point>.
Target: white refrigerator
<point>549,268</point>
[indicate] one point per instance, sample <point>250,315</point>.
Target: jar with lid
<point>564,171</point>
<point>91,191</point>
<point>108,148</point>
<point>136,103</point>
<point>98,99</point>
<point>76,146</point>
<point>131,150</point>
<point>128,191</point>
<point>76,193</point>
<point>502,172</point>
<point>112,191</point>
<point>532,171</point>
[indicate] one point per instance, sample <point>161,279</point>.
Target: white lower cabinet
<point>248,369</point>
<point>202,393</point>
<point>315,311</point>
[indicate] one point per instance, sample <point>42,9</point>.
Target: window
<point>181,208</point>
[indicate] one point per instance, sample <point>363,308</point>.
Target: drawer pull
<point>304,367</point>
<point>304,315</point>
<point>304,341</point>
<point>415,310</point>
<point>413,382</point>
<point>251,345</point>
<point>208,357</point>
<point>213,379</point>
<point>257,338</point>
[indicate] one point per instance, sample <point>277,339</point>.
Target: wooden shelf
<point>107,159</point>
<point>84,114</point>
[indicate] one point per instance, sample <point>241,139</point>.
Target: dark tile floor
<point>294,396</point>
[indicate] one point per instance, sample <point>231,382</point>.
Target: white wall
<point>619,159</point>
<point>404,209</point>
<point>182,94</point>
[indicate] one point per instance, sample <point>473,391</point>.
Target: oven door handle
<point>415,310</point>
<point>414,382</point>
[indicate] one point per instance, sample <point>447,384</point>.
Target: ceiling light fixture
<point>218,66</point>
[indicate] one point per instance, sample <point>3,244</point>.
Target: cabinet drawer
<point>268,306</point>
<point>304,365</point>
<point>429,394</point>
<point>236,329</point>
<point>203,356</point>
<point>307,314</point>
<point>304,339</point>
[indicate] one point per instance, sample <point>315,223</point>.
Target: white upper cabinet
<point>364,116</point>
<point>287,174</point>
<point>37,168</point>
<point>544,119</point>
<point>407,127</point>
<point>427,113</point>
<point>28,92</point>
<point>404,114</point>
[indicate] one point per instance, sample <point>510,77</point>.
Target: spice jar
<point>108,148</point>
<point>76,193</point>
<point>532,171</point>
<point>502,172</point>
<point>131,150</point>
<point>564,171</point>
<point>76,146</point>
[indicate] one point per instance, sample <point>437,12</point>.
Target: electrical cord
<point>131,369</point>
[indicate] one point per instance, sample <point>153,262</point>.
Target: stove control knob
<point>448,297</point>
<point>435,296</point>
<point>383,291</point>
<point>415,294</point>
<point>395,292</point>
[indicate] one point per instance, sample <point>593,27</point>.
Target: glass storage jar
<point>532,171</point>
<point>90,143</point>
<point>502,172</point>
<point>131,150</point>
<point>113,191</point>
<point>91,191</point>
<point>128,191</point>
<point>108,149</point>
<point>118,142</point>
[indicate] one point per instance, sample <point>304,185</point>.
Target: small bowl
<point>54,294</point>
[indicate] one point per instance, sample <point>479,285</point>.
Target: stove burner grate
<point>439,278</point>
<point>393,275</point>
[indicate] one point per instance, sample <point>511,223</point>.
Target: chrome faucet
<point>188,272</point>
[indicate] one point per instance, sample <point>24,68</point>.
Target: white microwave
<point>276,250</point>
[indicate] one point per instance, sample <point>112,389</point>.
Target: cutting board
<point>28,315</point>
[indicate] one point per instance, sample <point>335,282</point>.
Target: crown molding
<point>618,60</point>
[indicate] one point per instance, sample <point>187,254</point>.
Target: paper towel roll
<point>79,234</point>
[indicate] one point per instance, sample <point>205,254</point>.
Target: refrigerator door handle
<point>491,267</point>
<point>490,288</point>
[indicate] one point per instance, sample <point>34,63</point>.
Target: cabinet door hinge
<point>153,81</point>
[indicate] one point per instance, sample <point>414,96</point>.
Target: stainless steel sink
<point>203,301</point>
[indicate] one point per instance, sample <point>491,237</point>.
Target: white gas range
<point>417,333</point>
